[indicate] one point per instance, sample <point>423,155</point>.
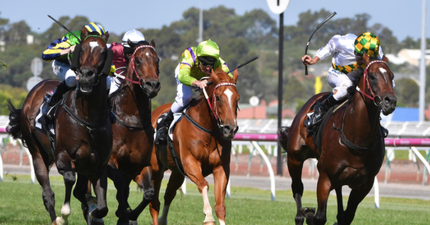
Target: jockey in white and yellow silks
<point>347,51</point>
<point>195,63</point>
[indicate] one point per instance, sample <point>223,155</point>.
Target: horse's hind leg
<point>175,181</point>
<point>145,182</point>
<point>295,168</point>
<point>157,177</point>
<point>42,175</point>
<point>355,197</point>
<point>323,191</point>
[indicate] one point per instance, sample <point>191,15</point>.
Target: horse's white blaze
<point>229,93</point>
<point>147,54</point>
<point>93,44</point>
<point>384,72</point>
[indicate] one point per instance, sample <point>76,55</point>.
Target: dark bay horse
<point>132,130</point>
<point>83,132</point>
<point>202,143</point>
<point>352,147</point>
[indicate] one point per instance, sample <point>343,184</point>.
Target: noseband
<point>372,95</point>
<point>214,106</point>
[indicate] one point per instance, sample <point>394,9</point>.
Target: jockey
<point>121,54</point>
<point>347,54</point>
<point>58,52</point>
<point>195,63</point>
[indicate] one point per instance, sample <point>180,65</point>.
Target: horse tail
<point>283,136</point>
<point>14,127</point>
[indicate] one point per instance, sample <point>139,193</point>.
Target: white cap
<point>134,36</point>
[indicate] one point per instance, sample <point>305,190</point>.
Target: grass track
<point>21,203</point>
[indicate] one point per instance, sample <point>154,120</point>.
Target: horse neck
<point>362,119</point>
<point>94,106</point>
<point>203,115</point>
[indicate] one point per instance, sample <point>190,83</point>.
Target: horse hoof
<point>307,212</point>
<point>95,221</point>
<point>132,222</point>
<point>209,223</point>
<point>60,221</point>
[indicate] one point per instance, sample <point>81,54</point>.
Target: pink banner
<point>2,129</point>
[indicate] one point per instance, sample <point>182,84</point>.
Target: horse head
<point>223,99</point>
<point>144,64</point>
<point>377,84</point>
<point>91,60</point>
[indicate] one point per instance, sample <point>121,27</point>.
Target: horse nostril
<point>390,100</point>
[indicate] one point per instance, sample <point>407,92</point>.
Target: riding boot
<point>164,126</point>
<point>321,109</point>
<point>55,98</point>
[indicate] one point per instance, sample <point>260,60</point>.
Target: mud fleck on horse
<point>132,131</point>
<point>351,150</point>
<point>83,132</point>
<point>202,145</point>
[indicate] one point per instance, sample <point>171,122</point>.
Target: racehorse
<point>83,131</point>
<point>352,145</point>
<point>202,145</point>
<point>132,131</point>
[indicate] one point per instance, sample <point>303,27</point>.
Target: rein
<point>366,81</point>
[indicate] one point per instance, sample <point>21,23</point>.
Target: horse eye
<point>372,76</point>
<point>218,98</point>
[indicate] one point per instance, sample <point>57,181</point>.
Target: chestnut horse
<point>83,131</point>
<point>352,145</point>
<point>132,131</point>
<point>202,142</point>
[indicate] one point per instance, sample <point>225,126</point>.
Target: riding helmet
<point>367,42</point>
<point>134,36</point>
<point>95,27</point>
<point>208,51</point>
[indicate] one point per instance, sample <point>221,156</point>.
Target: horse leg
<point>120,185</point>
<point>154,205</point>
<point>144,182</point>
<point>355,197</point>
<point>295,168</point>
<point>340,211</point>
<point>64,167</point>
<point>100,188</point>
<point>221,175</point>
<point>323,191</point>
<point>42,175</point>
<point>80,191</point>
<point>175,181</point>
<point>195,174</point>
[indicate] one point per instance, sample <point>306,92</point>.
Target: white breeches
<point>339,82</point>
<point>184,94</point>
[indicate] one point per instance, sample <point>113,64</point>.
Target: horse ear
<point>235,75</point>
<point>84,33</point>
<point>153,43</point>
<point>385,59</point>
<point>214,76</point>
<point>366,59</point>
<point>106,36</point>
<point>131,44</point>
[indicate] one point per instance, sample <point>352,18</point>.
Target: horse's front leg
<point>64,167</point>
<point>144,180</point>
<point>81,191</point>
<point>120,185</point>
<point>323,191</point>
<point>295,168</point>
<point>355,197</point>
<point>340,212</point>
<point>221,175</point>
<point>100,188</point>
<point>194,172</point>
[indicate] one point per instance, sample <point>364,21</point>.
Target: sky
<point>403,18</point>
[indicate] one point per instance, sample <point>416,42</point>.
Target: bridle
<point>213,106</point>
<point>366,82</point>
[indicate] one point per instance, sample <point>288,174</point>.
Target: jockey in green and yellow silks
<point>195,63</point>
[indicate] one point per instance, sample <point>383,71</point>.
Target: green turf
<point>21,203</point>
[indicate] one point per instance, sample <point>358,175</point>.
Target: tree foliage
<point>240,37</point>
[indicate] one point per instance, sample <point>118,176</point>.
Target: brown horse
<point>352,147</point>
<point>83,139</point>
<point>132,131</point>
<point>202,142</point>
